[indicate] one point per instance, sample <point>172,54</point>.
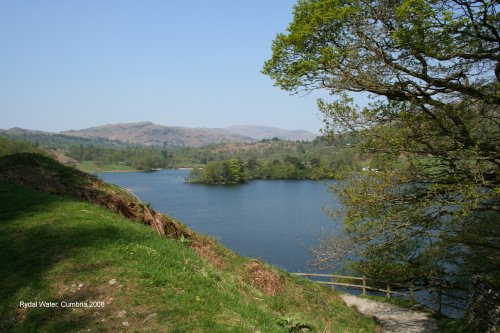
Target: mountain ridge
<point>149,133</point>
<point>267,132</point>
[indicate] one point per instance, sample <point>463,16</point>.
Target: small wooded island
<point>235,171</point>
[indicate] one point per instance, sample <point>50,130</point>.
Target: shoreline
<point>137,170</point>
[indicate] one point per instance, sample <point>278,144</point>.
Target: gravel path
<point>394,319</point>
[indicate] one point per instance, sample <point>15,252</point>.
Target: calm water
<point>277,221</point>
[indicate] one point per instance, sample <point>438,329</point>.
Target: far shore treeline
<point>216,164</point>
<point>236,171</point>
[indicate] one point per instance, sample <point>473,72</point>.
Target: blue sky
<point>75,64</point>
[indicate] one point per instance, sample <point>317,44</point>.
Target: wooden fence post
<point>364,286</point>
<point>333,281</point>
<point>438,298</point>
<point>412,296</point>
<point>388,294</point>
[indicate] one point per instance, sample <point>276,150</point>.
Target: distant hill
<point>57,140</point>
<point>265,132</point>
<point>147,133</point>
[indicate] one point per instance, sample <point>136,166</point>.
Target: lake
<point>274,220</point>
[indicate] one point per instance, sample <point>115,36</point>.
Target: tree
<point>220,172</point>
<point>315,162</point>
<point>252,164</point>
<point>236,171</point>
<point>295,161</point>
<point>432,71</point>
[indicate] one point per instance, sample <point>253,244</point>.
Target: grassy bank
<point>89,166</point>
<point>58,248</point>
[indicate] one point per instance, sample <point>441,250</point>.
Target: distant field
<point>89,166</point>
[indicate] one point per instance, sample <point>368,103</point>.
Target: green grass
<point>449,325</point>
<point>89,166</point>
<point>60,249</point>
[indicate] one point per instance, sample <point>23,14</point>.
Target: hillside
<point>71,246</point>
<point>147,133</point>
<point>152,134</point>
<point>266,132</point>
<point>57,140</point>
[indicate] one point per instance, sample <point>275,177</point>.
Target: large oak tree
<point>429,213</point>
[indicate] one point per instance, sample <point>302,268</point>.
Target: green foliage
<point>294,324</point>
<point>61,141</point>
<point>235,171</point>
<point>90,167</point>
<point>42,172</point>
<point>139,157</point>
<point>410,50</point>
<point>96,155</point>
<point>8,146</point>
<point>184,240</point>
<point>220,172</point>
<point>302,152</point>
<point>418,212</point>
<point>448,325</point>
